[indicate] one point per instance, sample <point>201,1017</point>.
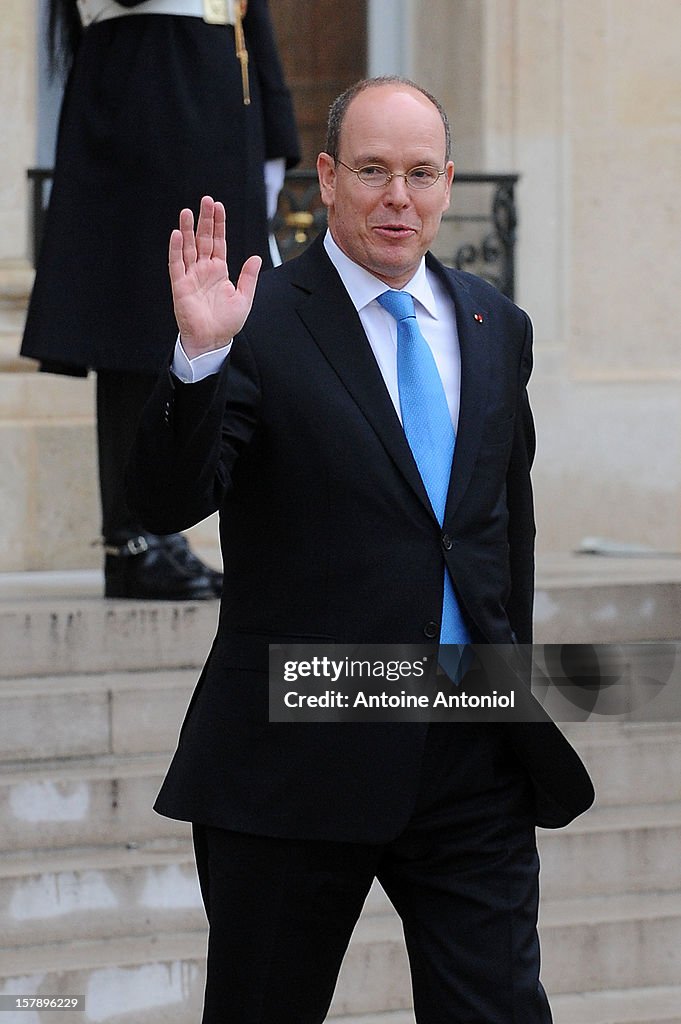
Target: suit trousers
<point>463,876</point>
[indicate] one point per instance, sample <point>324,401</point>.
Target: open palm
<point>209,308</point>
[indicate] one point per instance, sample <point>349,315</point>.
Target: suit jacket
<point>328,536</point>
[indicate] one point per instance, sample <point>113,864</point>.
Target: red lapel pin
<point>478,317</point>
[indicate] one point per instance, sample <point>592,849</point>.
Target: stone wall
<point>17,99</point>
<point>578,96</point>
<point>581,97</point>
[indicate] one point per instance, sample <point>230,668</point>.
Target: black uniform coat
<point>152,119</point>
<point>328,536</point>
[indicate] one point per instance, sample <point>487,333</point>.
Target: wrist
<point>190,370</point>
<point>192,350</point>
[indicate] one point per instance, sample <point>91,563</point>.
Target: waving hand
<point>209,308</point>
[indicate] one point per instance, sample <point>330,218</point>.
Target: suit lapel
<point>344,344</point>
<point>342,339</point>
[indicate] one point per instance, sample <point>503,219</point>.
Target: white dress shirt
<point>434,314</point>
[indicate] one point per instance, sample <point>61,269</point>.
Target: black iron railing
<point>477,233</point>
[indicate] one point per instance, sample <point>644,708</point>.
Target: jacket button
<point>431,630</point>
<point>447,542</point>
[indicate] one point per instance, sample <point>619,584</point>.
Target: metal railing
<point>477,233</point>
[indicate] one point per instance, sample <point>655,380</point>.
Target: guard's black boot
<point>146,567</point>
<point>178,546</point>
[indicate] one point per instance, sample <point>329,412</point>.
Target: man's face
<point>387,230</point>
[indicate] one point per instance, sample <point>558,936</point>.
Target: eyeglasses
<point>376,176</point>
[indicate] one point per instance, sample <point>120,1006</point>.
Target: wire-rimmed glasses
<point>377,176</point>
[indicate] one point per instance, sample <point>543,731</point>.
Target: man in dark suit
<point>297,431</point>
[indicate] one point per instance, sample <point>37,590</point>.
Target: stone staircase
<point>98,895</point>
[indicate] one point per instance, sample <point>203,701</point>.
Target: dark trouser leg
<point>157,568</point>
<point>464,879</point>
<point>120,400</point>
<point>281,913</point>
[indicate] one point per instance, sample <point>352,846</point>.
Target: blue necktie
<point>428,427</point>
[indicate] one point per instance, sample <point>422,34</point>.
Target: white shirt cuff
<point>191,371</point>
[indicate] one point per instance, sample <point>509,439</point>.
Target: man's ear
<point>326,172</point>
<point>449,178</point>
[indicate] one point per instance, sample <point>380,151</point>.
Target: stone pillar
<point>17,90</point>
<point>581,98</point>
<point>448,57</point>
<point>48,500</point>
<point>18,98</point>
<point>601,209</point>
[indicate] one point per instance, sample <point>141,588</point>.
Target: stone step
<point>612,850</point>
<point>611,942</point>
<point>98,713</point>
<point>591,599</point>
<point>630,763</point>
<point>596,944</point>
<point>591,948</point>
<point>108,800</point>
<point>76,630</point>
<point>590,945</point>
<point>64,636</point>
<point>624,1006</point>
<point>148,976</point>
<point>108,892</point>
<point>172,990</point>
<point>375,973</point>
<point>83,802</point>
<point>147,979</point>
<point>391,1017</point>
<point>636,1006</point>
<point>92,714</point>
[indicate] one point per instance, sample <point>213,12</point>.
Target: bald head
<point>339,109</point>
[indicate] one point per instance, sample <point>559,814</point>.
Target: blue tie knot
<point>400,305</point>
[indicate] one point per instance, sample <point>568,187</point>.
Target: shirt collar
<point>363,287</point>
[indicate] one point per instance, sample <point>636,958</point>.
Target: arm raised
<point>209,308</point>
